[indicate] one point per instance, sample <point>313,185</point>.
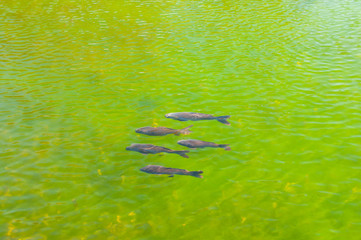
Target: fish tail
<point>182,153</point>
<point>225,146</point>
<point>196,174</point>
<point>223,119</point>
<point>184,131</point>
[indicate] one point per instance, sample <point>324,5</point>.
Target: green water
<point>78,77</point>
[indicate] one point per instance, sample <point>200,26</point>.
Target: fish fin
<point>184,131</point>
<point>225,146</point>
<point>223,119</point>
<point>196,174</point>
<point>182,153</point>
<point>171,175</point>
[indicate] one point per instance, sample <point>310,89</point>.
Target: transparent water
<point>78,77</point>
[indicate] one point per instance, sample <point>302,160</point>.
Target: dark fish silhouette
<point>202,144</point>
<point>154,169</point>
<point>185,116</point>
<point>162,131</point>
<point>152,149</point>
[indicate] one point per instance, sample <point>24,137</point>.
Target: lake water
<point>78,77</point>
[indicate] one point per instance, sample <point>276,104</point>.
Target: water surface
<point>78,77</point>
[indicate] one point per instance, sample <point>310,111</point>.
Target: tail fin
<point>225,146</point>
<point>184,131</point>
<point>196,174</point>
<point>223,119</point>
<point>182,153</point>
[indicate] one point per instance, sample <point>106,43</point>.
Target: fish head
<point>130,148</point>
<point>138,147</point>
<point>169,115</point>
<point>181,142</point>
<point>149,168</point>
<point>139,130</point>
<point>184,143</point>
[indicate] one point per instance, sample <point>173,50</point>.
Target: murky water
<point>78,77</point>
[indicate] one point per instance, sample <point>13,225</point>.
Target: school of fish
<point>190,143</point>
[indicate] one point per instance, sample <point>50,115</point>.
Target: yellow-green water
<point>78,77</point>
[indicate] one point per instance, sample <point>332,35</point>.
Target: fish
<point>185,116</point>
<point>152,149</point>
<point>162,131</point>
<point>191,143</point>
<point>155,169</point>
